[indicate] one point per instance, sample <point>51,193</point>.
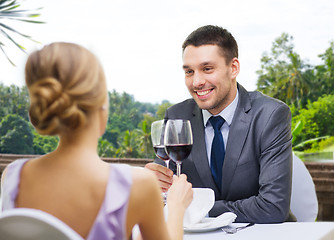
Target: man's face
<point>210,80</point>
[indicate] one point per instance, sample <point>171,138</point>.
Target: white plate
<point>210,224</point>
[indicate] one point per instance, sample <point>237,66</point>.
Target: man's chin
<point>205,105</point>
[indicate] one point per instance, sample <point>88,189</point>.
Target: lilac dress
<point>110,222</point>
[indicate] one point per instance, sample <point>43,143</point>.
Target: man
<point>248,160</point>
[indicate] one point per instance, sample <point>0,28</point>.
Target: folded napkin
<point>195,215</point>
<point>203,200</point>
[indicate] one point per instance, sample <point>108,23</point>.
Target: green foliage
<point>15,135</point>
<point>324,73</point>
<point>105,148</point>
<point>162,109</point>
<point>284,75</point>
<point>309,91</point>
<point>318,118</point>
<point>310,145</point>
<point>327,144</point>
<point>145,139</point>
<point>111,136</point>
<point>313,124</point>
<point>130,145</point>
<point>297,129</point>
<point>14,100</point>
<point>124,113</point>
<point>128,131</point>
<point>44,144</point>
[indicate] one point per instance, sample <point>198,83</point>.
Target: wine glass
<point>157,136</point>
<point>178,141</point>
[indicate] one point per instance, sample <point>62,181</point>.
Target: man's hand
<point>164,175</point>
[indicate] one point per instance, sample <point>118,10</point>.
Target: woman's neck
<point>80,143</point>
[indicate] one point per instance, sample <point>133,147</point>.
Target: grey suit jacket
<point>257,170</point>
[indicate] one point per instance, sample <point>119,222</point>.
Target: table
<point>282,231</point>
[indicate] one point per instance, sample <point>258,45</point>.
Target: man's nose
<point>198,80</point>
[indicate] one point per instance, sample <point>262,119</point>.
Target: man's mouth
<point>203,92</point>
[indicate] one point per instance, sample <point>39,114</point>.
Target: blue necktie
<point>217,150</point>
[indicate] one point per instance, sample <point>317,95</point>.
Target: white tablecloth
<point>283,231</point>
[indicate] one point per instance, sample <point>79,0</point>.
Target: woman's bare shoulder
<point>143,177</point>
<point>145,191</point>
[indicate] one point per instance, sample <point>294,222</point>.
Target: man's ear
<point>235,67</point>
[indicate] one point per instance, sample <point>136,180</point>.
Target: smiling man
<point>242,140</point>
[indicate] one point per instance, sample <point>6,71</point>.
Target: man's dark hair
<point>214,35</point>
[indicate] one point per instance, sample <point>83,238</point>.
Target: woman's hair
<point>66,83</point>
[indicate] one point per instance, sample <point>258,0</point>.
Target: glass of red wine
<point>178,141</point>
<point>157,136</point>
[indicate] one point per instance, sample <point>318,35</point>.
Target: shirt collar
<point>227,113</point>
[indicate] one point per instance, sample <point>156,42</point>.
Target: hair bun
<point>53,109</point>
<point>66,84</point>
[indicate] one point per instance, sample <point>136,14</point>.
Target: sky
<point>139,42</point>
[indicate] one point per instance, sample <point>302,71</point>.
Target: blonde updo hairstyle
<point>66,83</point>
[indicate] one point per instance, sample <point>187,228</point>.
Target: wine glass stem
<point>178,169</point>
<point>164,194</point>
<point>167,163</point>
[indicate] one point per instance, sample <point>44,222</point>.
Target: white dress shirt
<point>227,114</point>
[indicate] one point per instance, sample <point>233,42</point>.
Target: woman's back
<point>93,213</point>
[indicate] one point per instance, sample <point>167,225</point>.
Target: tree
<point>15,135</point>
<point>317,119</point>
<point>105,148</point>
<point>10,10</point>
<point>162,109</point>
<point>127,132</point>
<point>111,135</point>
<point>284,75</point>
<point>123,112</point>
<point>130,146</point>
<point>145,139</point>
<point>14,100</point>
<point>324,73</point>
<point>44,144</point>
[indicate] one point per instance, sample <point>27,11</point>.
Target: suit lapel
<point>198,153</point>
<point>236,139</point>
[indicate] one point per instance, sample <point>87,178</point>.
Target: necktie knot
<point>217,122</point>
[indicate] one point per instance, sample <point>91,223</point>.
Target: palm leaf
<point>12,40</point>
<point>13,30</point>
<point>309,141</point>
<point>1,44</point>
<point>9,10</point>
<point>18,11</point>
<point>11,5</point>
<point>24,20</point>
<point>298,128</point>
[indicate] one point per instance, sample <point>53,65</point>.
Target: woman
<point>68,98</point>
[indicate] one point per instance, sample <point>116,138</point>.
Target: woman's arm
<point>146,206</point>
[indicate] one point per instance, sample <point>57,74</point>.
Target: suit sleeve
<point>272,204</point>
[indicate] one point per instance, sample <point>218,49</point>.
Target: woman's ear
<point>103,116</point>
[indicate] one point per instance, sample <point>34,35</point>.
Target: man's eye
<point>188,72</point>
<point>207,69</point>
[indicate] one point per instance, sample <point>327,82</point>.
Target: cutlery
<point>232,230</point>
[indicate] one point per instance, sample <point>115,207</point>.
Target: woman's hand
<point>180,193</point>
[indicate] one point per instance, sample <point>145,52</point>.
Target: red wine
<point>178,152</point>
<point>160,152</point>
